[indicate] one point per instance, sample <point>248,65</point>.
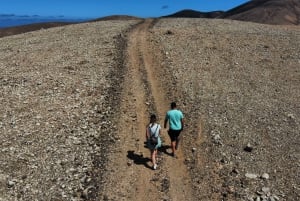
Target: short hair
<point>173,105</point>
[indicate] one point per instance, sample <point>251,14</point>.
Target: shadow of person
<point>164,149</point>
<point>139,159</point>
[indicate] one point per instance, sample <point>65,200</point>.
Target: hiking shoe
<point>154,166</point>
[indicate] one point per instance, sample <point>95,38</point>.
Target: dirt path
<point>131,176</point>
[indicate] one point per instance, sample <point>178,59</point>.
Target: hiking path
<point>130,169</point>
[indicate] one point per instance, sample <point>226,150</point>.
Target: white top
<point>154,130</point>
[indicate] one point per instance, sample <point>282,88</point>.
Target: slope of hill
<point>9,31</point>
<point>267,12</point>
<point>116,17</point>
<point>75,101</point>
<point>194,14</point>
<point>277,12</point>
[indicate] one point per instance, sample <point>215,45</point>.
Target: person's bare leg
<point>173,145</point>
<point>153,157</point>
<point>177,142</point>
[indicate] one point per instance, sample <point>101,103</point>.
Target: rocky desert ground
<point>75,101</point>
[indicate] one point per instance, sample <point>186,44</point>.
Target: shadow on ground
<point>138,159</point>
<point>164,149</point>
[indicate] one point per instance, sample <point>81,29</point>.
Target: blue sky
<point>100,8</point>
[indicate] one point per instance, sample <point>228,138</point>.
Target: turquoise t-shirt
<point>174,117</point>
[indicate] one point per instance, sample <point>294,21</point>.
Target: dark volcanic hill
<point>116,17</point>
<point>278,12</point>
<point>196,14</point>
<point>285,12</point>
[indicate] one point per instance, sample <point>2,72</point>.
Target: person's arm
<point>182,123</point>
<point>159,131</point>
<point>147,133</point>
<point>166,121</point>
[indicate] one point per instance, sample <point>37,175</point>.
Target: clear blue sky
<point>100,8</point>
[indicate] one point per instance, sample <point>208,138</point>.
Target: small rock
<point>83,179</point>
<point>257,198</point>
<point>235,171</point>
<point>271,198</point>
<point>291,116</point>
<point>188,160</point>
<point>248,148</point>
<point>259,193</point>
<point>217,137</point>
<point>265,190</point>
<point>230,189</point>
<point>169,32</point>
<point>85,193</point>
<point>194,149</point>
<point>251,176</point>
<point>165,198</point>
<point>265,176</point>
<point>10,184</point>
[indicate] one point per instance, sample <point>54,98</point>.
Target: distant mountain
<point>278,12</point>
<point>116,17</point>
<point>196,14</point>
<point>267,12</point>
<point>11,20</point>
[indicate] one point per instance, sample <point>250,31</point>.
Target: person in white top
<point>153,131</point>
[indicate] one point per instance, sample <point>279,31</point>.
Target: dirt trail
<point>131,176</point>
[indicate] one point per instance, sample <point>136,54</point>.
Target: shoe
<point>173,155</point>
<point>154,166</point>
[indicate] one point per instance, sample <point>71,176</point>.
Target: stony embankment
<point>59,90</point>
<point>238,84</point>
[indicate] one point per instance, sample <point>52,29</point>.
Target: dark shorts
<point>174,134</point>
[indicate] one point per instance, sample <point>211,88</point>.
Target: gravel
<point>238,85</point>
<point>58,90</point>
<point>236,82</point>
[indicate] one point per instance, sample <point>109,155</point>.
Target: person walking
<point>153,139</point>
<point>176,124</point>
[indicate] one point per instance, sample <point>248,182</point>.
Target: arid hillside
<point>283,12</point>
<point>75,101</point>
<point>27,28</point>
<point>276,12</point>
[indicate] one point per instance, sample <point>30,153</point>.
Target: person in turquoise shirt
<point>176,124</point>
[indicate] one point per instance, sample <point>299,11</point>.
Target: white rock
<point>265,176</point>
<point>10,184</point>
<point>251,176</point>
<point>265,190</point>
